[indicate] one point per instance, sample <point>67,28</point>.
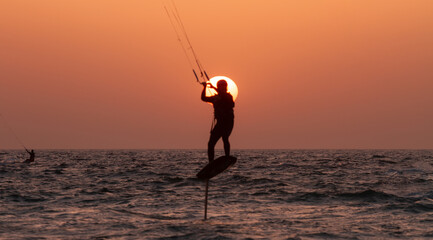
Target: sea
<point>267,194</point>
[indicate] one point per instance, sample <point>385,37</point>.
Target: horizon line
<point>204,149</point>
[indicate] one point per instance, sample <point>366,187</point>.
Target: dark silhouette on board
<point>223,105</point>
<point>32,156</point>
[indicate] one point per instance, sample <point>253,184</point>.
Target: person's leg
<point>228,127</point>
<point>214,137</point>
<point>226,145</point>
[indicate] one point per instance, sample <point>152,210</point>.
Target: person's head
<point>222,86</point>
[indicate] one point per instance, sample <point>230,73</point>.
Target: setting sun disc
<point>231,86</point>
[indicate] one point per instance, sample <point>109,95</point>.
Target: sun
<point>231,86</point>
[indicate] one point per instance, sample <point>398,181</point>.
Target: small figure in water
<point>223,105</point>
<point>32,156</point>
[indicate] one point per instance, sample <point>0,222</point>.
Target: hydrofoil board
<point>216,167</point>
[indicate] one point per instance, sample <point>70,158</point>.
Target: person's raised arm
<point>203,93</point>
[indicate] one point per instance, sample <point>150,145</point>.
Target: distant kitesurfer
<point>223,105</point>
<point>32,156</point>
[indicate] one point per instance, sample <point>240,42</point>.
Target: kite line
<point>182,37</point>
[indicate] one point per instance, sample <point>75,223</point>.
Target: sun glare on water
<point>231,86</point>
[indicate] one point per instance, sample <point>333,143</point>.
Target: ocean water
<point>268,194</point>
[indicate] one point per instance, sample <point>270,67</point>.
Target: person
<point>223,105</point>
<point>32,156</point>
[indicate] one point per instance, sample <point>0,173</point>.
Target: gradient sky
<point>311,74</point>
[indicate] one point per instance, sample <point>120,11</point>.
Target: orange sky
<point>311,74</point>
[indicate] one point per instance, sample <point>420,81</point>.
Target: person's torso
<point>223,106</point>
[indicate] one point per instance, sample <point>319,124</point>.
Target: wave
<point>369,196</point>
<point>366,196</point>
<point>17,197</point>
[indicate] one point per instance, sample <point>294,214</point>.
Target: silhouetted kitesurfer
<point>32,156</point>
<point>223,110</point>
